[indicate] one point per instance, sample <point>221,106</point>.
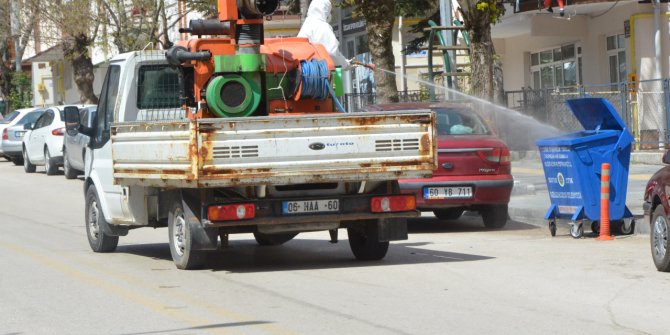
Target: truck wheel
<point>49,165</point>
<point>659,239</point>
<point>365,245</point>
<point>181,240</point>
<point>273,239</point>
<point>97,239</point>
<point>28,167</point>
<point>495,216</point>
<point>448,213</point>
<point>69,172</point>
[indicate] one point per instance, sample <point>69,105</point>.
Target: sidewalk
<point>530,198</point>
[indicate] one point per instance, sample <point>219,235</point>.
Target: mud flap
<point>392,229</point>
<point>202,238</point>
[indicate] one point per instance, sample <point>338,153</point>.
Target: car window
<point>9,117</point>
<point>30,118</point>
<point>45,119</point>
<point>459,121</point>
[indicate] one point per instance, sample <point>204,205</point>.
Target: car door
<point>36,140</point>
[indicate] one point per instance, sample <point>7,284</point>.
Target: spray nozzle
<point>355,62</point>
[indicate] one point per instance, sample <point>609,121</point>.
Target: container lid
<point>596,112</point>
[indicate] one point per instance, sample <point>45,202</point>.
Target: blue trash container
<point>572,168</point>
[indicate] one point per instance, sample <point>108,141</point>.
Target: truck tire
<point>448,213</point>
<point>495,216</point>
<point>49,164</point>
<point>660,228</point>
<point>68,171</point>
<point>365,245</point>
<point>181,239</point>
<point>95,222</point>
<point>273,239</point>
<point>28,167</point>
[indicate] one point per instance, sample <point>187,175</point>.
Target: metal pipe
<point>403,63</point>
<point>657,72</point>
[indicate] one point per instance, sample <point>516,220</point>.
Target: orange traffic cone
<point>605,204</point>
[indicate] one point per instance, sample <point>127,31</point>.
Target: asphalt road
<point>448,278</point>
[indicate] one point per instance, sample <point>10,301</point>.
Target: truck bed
<point>275,150</point>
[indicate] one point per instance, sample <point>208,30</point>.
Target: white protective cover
<point>317,29</point>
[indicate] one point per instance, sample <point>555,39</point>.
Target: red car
<point>474,168</point>
<point>656,210</point>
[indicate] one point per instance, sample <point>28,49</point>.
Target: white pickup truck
<point>273,176</point>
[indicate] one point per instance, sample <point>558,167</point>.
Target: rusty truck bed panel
<point>277,150</point>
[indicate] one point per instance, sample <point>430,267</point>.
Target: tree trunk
<point>379,21</point>
<point>76,51</point>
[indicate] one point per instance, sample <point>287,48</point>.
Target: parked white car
<point>10,120</point>
<point>12,137</point>
<point>43,141</point>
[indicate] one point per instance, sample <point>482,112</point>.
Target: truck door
<point>101,146</point>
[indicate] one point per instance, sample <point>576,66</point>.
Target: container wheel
<point>552,228</point>
<point>595,227</point>
<point>576,230</point>
<point>627,229</point>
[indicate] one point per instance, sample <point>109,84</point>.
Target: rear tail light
<point>231,212</point>
<point>496,155</point>
<point>5,134</point>
<point>58,132</point>
<point>394,203</point>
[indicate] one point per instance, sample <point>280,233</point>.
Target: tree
<point>17,19</point>
<point>478,16</point>
<point>76,26</point>
<point>379,18</point>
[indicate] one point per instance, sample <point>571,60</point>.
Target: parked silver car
<point>74,147</point>
<point>12,137</point>
<point>10,120</point>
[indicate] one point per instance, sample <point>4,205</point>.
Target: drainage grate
<point>397,144</point>
<point>235,151</point>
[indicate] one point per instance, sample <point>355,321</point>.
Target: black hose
<point>178,55</point>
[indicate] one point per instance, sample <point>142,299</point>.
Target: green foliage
<point>20,95</point>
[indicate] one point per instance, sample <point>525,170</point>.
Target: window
<point>616,58</point>
<point>11,116</point>
<point>110,90</point>
<point>45,119</point>
<point>158,87</point>
<point>459,121</point>
<point>30,118</point>
<point>556,67</point>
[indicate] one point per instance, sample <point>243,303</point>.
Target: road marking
<point>174,312</point>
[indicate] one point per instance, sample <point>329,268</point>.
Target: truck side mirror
<point>72,121</point>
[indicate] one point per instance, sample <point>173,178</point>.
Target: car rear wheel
<point>448,213</point>
<point>49,165</point>
<point>69,172</point>
<point>495,216</point>
<point>273,239</point>
<point>28,167</point>
<point>659,239</point>
<point>18,161</point>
